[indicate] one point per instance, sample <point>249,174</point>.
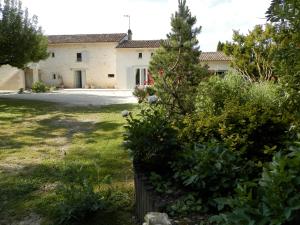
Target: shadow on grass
<point>18,111</point>
<point>94,152</point>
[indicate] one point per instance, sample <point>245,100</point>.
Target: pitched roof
<point>214,56</point>
<point>140,44</point>
<point>86,38</point>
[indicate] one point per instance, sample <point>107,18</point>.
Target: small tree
<point>21,40</point>
<point>220,46</point>
<point>252,54</point>
<point>285,16</point>
<point>175,67</point>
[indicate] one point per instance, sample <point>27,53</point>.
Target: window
<point>53,54</point>
<point>141,76</point>
<point>221,72</point>
<point>79,57</point>
<point>137,77</point>
<point>140,55</point>
<point>111,75</point>
<point>54,77</point>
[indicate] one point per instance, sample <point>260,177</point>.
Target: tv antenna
<point>128,16</point>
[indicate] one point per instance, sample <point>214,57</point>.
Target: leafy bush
<point>209,168</point>
<point>214,94</point>
<point>244,116</point>
<point>78,201</point>
<point>21,91</point>
<point>83,196</point>
<point>39,87</point>
<point>273,199</point>
<point>140,93</point>
<point>186,205</point>
<point>143,92</point>
<point>151,139</point>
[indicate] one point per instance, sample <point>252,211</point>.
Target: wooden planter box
<point>145,198</point>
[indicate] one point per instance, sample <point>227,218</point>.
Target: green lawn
<point>44,145</point>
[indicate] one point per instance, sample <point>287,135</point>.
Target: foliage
<point>175,66</point>
<point>39,87</point>
<point>220,46</point>
<point>21,40</point>
<point>274,199</point>
<point>21,91</point>
<point>239,114</point>
<point>285,17</point>
<point>150,139</point>
<point>252,54</point>
<point>209,169</point>
<point>78,201</point>
<point>186,205</point>
<point>142,93</point>
<point>160,184</point>
<point>220,134</point>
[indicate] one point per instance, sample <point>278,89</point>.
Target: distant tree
<point>252,54</point>
<point>220,46</point>
<point>21,40</point>
<point>285,16</point>
<point>175,66</point>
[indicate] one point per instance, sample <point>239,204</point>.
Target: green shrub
<point>245,117</point>
<point>151,139</point>
<point>84,196</point>
<point>186,205</point>
<point>78,201</point>
<point>143,92</point>
<point>39,87</point>
<point>215,92</point>
<point>273,199</point>
<point>208,168</point>
<point>140,93</point>
<point>21,91</point>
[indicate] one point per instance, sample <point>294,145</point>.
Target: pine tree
<point>220,46</point>
<point>175,66</point>
<point>21,40</point>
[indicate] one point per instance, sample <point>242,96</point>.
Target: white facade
<point>217,66</point>
<point>102,65</point>
<point>96,61</point>
<point>88,65</point>
<point>132,66</point>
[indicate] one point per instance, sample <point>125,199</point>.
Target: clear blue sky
<point>150,19</point>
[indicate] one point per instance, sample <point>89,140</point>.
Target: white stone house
<point>217,62</point>
<point>95,61</point>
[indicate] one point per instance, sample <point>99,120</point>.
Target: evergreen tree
<point>175,66</point>
<point>220,46</point>
<point>21,40</point>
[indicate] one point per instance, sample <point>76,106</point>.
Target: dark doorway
<point>78,79</point>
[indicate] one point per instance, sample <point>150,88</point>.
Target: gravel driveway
<point>79,97</point>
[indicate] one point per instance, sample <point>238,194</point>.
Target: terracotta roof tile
<point>140,44</point>
<point>214,56</point>
<point>86,38</point>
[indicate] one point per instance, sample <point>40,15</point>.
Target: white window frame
<point>140,75</point>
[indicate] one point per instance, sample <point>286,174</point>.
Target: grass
<point>43,145</point>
